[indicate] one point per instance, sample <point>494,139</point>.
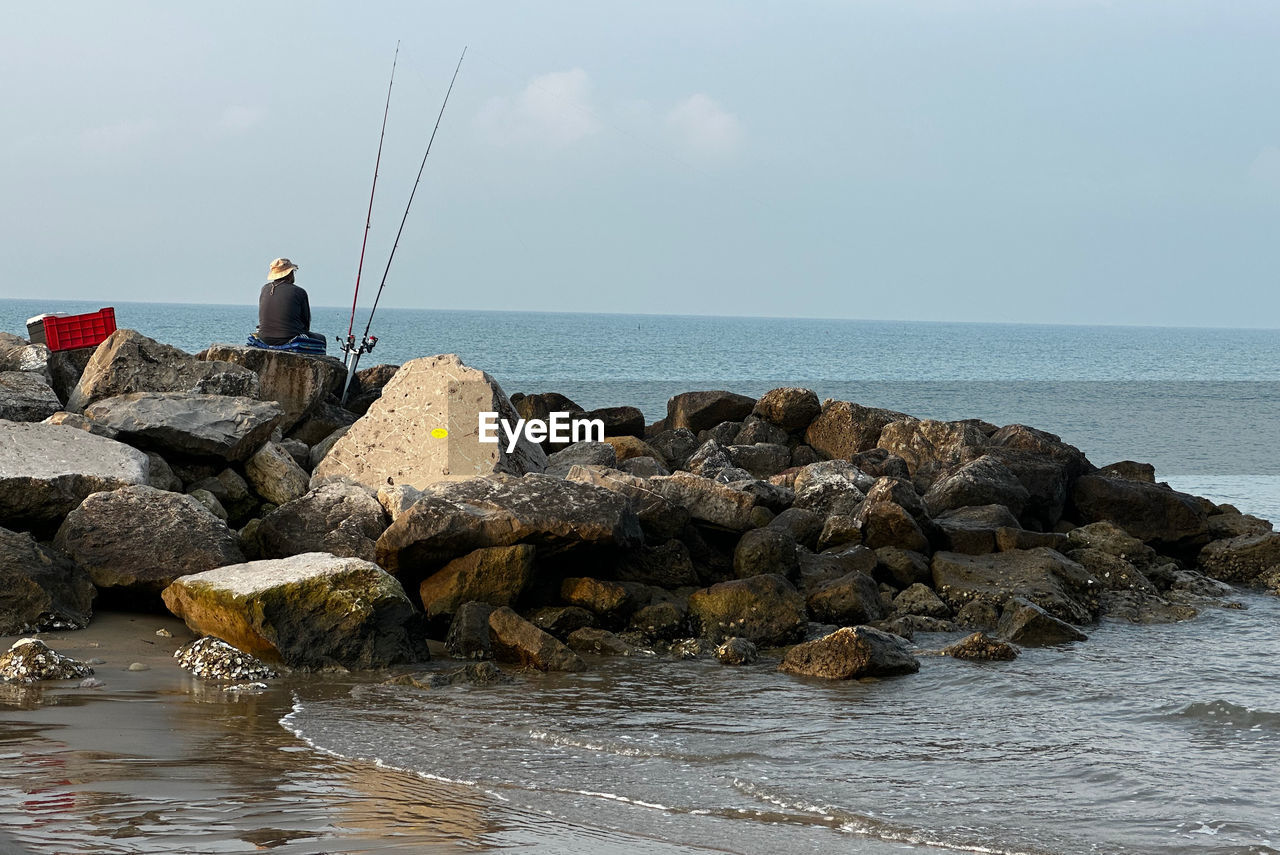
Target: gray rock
<point>756,430</point>
<point>667,565</point>
<point>973,530</point>
<point>1242,558</point>
<point>18,354</point>
<point>307,611</point>
<point>275,475</point>
<point>737,651</point>
<point>644,467</point>
<point>850,653</point>
<point>887,523</point>
<point>66,367</point>
<point>341,519</point>
<point>675,445</point>
<point>706,501</point>
<point>297,383</point>
<point>323,447</point>
<point>1043,576</point>
<point>1023,622</point>
<point>1152,513</point>
<point>160,474</point>
<point>323,419</point>
<point>210,502</point>
<point>398,499</point>
<point>561,621</point>
<point>47,470</point>
<point>26,397</point>
<point>805,525</point>
<point>766,550</point>
<point>141,539</point>
<point>712,460</point>
<point>581,453</point>
<point>187,423</point>
<point>1143,607</point>
<point>700,411</point>
<point>468,636</point>
<point>1132,470</point>
<point>978,614</point>
<point>901,568</point>
<point>39,589</point>
<point>30,660</point>
<point>761,459</point>
<point>660,519</point>
<point>830,487</point>
<point>985,481</point>
<point>130,362</point>
<point>765,609</point>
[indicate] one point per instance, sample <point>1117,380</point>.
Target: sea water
<point>1142,739</point>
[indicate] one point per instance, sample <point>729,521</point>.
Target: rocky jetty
<point>821,535</point>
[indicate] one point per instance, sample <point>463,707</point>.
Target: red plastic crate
<point>71,331</point>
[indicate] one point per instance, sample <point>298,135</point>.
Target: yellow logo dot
<point>439,433</point>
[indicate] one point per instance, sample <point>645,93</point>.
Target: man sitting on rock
<point>284,313</point>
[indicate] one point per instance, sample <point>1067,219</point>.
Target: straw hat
<point>280,268</point>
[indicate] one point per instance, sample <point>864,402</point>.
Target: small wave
<point>601,747</point>
<point>1226,714</point>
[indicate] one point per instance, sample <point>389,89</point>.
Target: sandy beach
<point>156,761</point>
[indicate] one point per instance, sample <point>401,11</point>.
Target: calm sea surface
<point>1143,739</point>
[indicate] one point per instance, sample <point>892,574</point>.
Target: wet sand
<point>157,761</point>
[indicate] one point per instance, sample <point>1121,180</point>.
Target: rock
<point>675,446</point>
<point>1225,525</point>
<point>496,576</point>
<point>973,530</point>
<point>1152,513</point>
<point>840,530</point>
<point>851,653</point>
<point>129,362</point>
<point>739,651</point>
<point>699,411</point>
<point>1008,538</point>
<point>141,539</point>
<point>1112,572</point>
<point>1023,622</point>
<point>475,674</point>
<point>879,463</point>
<point>1197,584</point>
<point>26,397</point>
<point>931,447</point>
<point>766,550</point>
<point>160,475</point>
<point>66,367</point>
<point>367,386</point>
<point>920,600</point>
<point>1143,607</point>
<point>985,481</point>
<point>275,475</point>
<point>627,447</point>
<point>323,419</point>
<point>18,354</point>
<point>644,467</point>
<point>396,500</point>
<point>341,519</point>
<point>297,383</point>
<point>712,460</point>
<point>618,421</point>
<point>516,640</point>
<point>908,626</point>
<point>78,421</point>
<point>47,470</point>
<point>561,621</point>
<point>843,429</point>
<point>468,636</point>
<point>210,503</point>
<point>852,599</point>
<point>608,600</point>
<point>582,453</point>
<point>455,518</point>
<point>321,448</point>
<point>307,611</point>
<point>1242,558</point>
<point>768,497</point>
<point>39,589</point>
<point>660,519</point>
<point>981,647</point>
<point>901,568</point>
<point>761,459</point>
<point>298,450</point>
<point>1110,538</point>
<point>978,614</point>
<point>805,525</point>
<point>212,658</point>
<point>830,487</point>
<point>789,408</point>
<point>394,442</point>
<point>764,609</point>
<point>706,501</point>
<point>1042,576</point>
<point>661,621</point>
<point>889,524</point>
<point>755,430</point>
<point>230,428</point>
<point>599,642</point>
<point>667,565</point>
<point>1130,469</point>
<point>901,492</point>
<point>30,660</point>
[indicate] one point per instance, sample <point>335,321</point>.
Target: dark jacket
<point>283,312</point>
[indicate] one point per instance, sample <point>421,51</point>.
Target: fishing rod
<point>349,344</point>
<point>367,342</point>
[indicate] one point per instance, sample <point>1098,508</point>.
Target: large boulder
<point>424,429</point>
<point>341,519</point>
<point>297,383</point>
<point>789,408</point>
<point>1043,576</point>
<point>974,529</point>
<point>46,470</point>
<point>930,447</point>
<point>1242,558</point>
<point>1153,513</point>
<point>141,539</point>
<point>700,411</point>
<point>39,589</point>
<point>850,653</point>
<point>660,518</point>
<point>308,611</point>
<point>495,575</point>
<point>26,397</point>
<point>766,610</point>
<point>985,481</point>
<point>1023,622</point>
<point>707,501</point>
<point>886,523</point>
<point>275,475</point>
<point>851,599</point>
<point>514,639</point>
<point>188,423</point>
<point>581,454</point>
<point>454,518</point>
<point>771,549</point>
<point>66,367</point>
<point>130,362</point>
<point>844,429</point>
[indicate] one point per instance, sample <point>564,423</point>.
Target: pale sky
<point>1054,161</point>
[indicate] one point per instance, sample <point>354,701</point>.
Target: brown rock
<point>850,653</point>
<point>496,576</point>
<point>844,429</point>
<point>516,640</point>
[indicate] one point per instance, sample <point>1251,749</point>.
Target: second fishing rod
<point>353,351</point>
